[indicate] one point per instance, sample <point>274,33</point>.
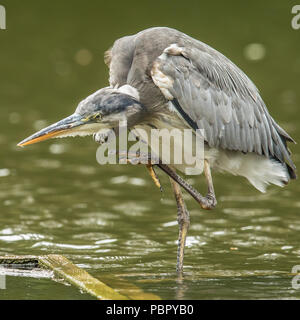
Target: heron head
<point>105,108</point>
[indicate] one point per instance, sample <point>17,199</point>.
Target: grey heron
<point>163,78</point>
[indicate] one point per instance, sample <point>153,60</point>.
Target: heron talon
<point>154,176</point>
<point>100,138</point>
<point>104,135</point>
<point>211,200</point>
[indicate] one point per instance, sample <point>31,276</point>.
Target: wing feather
<point>218,97</point>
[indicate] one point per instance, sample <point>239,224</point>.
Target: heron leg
<point>209,201</point>
<point>183,218</point>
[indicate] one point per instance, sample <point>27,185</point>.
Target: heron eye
<point>98,116</point>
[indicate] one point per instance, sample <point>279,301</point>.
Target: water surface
<point>111,220</point>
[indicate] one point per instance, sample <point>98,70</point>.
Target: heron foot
<point>134,159</point>
<point>208,202</point>
<point>154,176</point>
<point>104,135</point>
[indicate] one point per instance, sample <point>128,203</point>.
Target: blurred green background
<point>112,220</point>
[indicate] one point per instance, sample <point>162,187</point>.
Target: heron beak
<point>60,128</point>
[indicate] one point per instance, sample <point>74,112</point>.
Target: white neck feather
<point>131,91</point>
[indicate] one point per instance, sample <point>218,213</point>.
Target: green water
<point>111,220</point>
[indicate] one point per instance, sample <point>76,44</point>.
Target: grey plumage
<point>211,91</point>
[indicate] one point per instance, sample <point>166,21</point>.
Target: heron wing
<point>213,94</point>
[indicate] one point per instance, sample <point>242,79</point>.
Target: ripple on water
<point>21,237</point>
<point>131,208</point>
<point>296,252</point>
<point>170,224</point>
<point>221,233</point>
<point>269,256</point>
<point>92,236</point>
<point>286,248</point>
<point>87,170</point>
<point>215,221</point>
<point>255,241</point>
<point>142,246</point>
<point>128,180</point>
<point>47,244</point>
<point>199,227</point>
<point>29,200</point>
<point>137,182</point>
<point>57,148</point>
<point>119,179</point>
<point>270,229</point>
<point>104,241</point>
<point>266,219</point>
<point>195,241</point>
<point>4,172</point>
<point>51,224</point>
<point>47,163</point>
<point>80,206</point>
<point>7,231</point>
<point>91,222</point>
<point>246,198</point>
<point>294,226</point>
<point>246,212</point>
